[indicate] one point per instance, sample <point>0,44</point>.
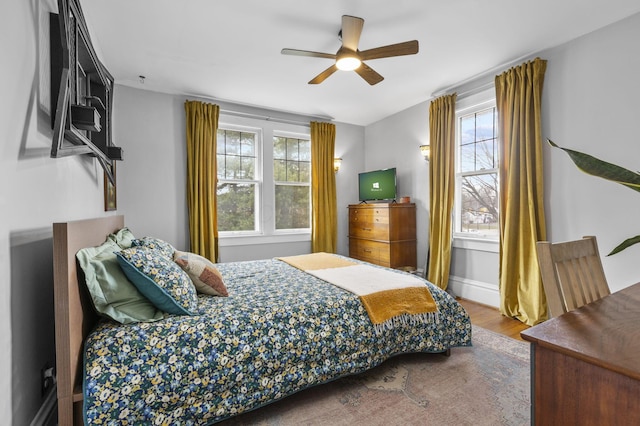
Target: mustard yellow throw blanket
<point>390,298</point>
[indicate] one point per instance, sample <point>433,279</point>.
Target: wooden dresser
<point>383,233</point>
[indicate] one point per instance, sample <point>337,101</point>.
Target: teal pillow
<point>123,238</point>
<point>164,247</point>
<point>160,279</point>
<point>112,294</point>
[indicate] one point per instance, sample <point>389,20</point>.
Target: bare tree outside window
<point>477,175</point>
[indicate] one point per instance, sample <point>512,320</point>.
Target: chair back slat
<point>572,274</point>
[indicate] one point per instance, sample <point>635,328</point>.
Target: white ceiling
<point>230,49</point>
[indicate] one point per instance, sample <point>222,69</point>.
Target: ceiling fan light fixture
<point>347,61</point>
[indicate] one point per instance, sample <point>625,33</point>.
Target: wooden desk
<point>585,364</point>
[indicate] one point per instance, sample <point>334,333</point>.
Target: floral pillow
<point>162,281</point>
<point>154,243</point>
<point>202,272</point>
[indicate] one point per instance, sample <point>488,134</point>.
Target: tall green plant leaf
<point>599,168</point>
<point>625,244</point>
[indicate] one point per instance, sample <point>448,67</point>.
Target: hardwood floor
<point>490,318</point>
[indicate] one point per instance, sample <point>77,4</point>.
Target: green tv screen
<point>377,185</point>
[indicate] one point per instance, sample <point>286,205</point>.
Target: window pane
<point>468,158</point>
<point>296,154</point>
<point>467,129</point>
<point>233,167</point>
<point>292,149</point>
<point>305,172</point>
<point>236,207</point>
<point>248,165</point>
<point>247,144</point>
<point>484,125</point>
<point>232,145</point>
<point>479,204</point>
<point>305,150</point>
<point>221,167</point>
<point>484,155</point>
<point>279,170</point>
<point>292,172</point>
<point>279,148</point>
<point>292,207</point>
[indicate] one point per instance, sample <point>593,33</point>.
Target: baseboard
<point>47,415</point>
<point>477,291</point>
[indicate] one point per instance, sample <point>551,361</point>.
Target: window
<point>292,182</point>
<point>238,188</point>
<point>477,196</point>
<point>264,181</point>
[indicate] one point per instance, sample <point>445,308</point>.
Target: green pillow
<point>113,295</point>
<point>123,238</point>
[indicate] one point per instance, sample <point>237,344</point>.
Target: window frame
<point>299,136</point>
<point>463,239</point>
<point>268,127</point>
<point>257,181</point>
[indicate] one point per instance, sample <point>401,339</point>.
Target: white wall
<point>35,191</point>
<point>590,104</point>
<point>394,142</point>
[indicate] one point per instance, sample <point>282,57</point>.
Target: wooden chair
<point>572,274</point>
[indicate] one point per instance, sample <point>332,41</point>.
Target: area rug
<point>486,384</point>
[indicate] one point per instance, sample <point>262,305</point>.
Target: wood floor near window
<point>490,318</point>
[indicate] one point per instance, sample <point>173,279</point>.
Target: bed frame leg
<point>447,352</point>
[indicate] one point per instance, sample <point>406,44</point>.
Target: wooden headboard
<point>74,313</point>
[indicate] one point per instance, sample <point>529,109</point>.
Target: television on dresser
<point>377,185</point>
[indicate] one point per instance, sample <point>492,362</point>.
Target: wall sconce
<point>425,150</point>
<point>336,164</point>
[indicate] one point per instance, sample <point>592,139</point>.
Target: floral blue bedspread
<point>279,331</point>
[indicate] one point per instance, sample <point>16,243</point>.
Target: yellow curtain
<point>202,128</point>
<point>324,213</point>
<point>522,221</point>
<point>442,130</point>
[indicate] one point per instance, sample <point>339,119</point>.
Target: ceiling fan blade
<point>400,49</point>
<point>351,30</point>
<point>369,74</point>
<point>297,52</point>
<point>324,74</point>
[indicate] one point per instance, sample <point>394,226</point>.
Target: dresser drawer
<point>369,251</point>
<point>375,215</point>
<point>372,230</point>
<point>370,223</point>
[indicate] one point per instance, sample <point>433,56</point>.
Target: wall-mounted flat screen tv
<point>377,185</point>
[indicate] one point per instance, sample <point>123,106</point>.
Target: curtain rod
<point>479,79</point>
<point>269,118</point>
<point>227,107</point>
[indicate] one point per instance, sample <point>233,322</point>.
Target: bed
<point>281,329</point>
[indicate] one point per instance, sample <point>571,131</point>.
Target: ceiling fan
<point>349,58</point>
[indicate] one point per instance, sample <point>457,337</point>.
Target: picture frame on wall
<point>110,194</point>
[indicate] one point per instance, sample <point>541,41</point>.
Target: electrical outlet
<point>46,379</point>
